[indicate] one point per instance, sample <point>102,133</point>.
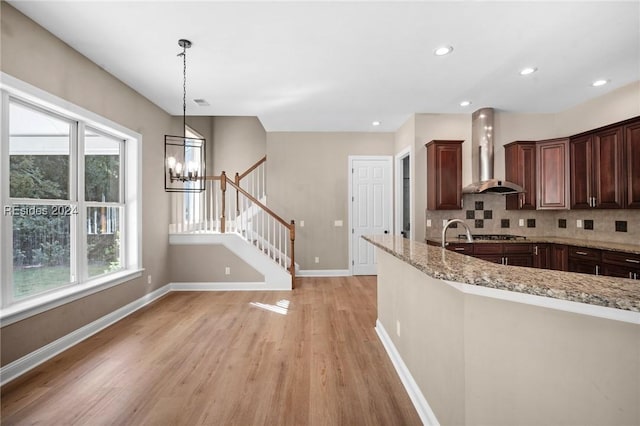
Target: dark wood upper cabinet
<point>632,164</point>
<point>520,168</point>
<point>444,175</point>
<point>581,155</point>
<point>597,170</point>
<point>608,169</point>
<point>552,158</point>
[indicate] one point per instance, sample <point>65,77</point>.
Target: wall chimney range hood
<point>482,158</point>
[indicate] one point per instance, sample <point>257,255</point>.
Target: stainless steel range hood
<point>482,158</point>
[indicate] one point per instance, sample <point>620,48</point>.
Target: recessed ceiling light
<point>528,70</point>
<point>465,103</point>
<point>444,50</point>
<point>376,123</point>
<point>598,83</point>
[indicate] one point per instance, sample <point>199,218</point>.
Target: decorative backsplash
<point>486,214</point>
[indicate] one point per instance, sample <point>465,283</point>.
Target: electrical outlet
<point>227,270</point>
<point>444,222</point>
<point>520,222</point>
<point>398,327</point>
<point>428,223</point>
<point>317,259</point>
<point>148,279</point>
<point>302,224</point>
<point>337,223</point>
<point>578,223</point>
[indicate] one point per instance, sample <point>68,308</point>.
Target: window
<point>70,194</point>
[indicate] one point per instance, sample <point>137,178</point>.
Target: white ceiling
<point>338,66</point>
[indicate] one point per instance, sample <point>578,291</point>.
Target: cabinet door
<point>444,175</point>
<point>520,168</point>
<point>542,256</point>
<point>632,157</point>
<point>607,169</point>
<point>552,158</point>
<point>519,260</point>
<point>583,266</point>
<point>559,257</point>
<point>581,159</point>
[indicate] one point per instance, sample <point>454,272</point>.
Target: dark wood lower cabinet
<point>585,260</point>
<point>559,257</point>
<point>623,265</point>
<point>542,256</point>
<point>555,256</point>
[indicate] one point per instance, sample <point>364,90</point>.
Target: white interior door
<point>371,205</point>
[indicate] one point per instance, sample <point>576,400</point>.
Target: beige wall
<point>238,142</point>
<point>307,180</point>
<point>621,104</point>
<point>479,360</point>
<point>31,54</point>
<point>207,263</point>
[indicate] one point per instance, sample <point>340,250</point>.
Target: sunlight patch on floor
<point>281,307</point>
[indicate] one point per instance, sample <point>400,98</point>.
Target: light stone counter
<point>618,293</point>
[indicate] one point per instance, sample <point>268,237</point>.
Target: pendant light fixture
<point>184,157</point>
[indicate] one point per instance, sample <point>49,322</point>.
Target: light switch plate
<point>428,223</point>
<point>227,270</point>
<point>337,223</point>
<point>579,223</point>
<point>302,224</point>
<point>520,222</point>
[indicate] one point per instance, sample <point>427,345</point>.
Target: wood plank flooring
<point>226,358</point>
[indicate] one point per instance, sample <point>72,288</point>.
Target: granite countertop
<point>619,293</point>
<point>602,245</point>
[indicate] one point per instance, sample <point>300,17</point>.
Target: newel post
<point>237,180</point>
<point>292,267</point>
<point>223,188</point>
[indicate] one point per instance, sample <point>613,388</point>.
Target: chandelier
<point>184,157</point>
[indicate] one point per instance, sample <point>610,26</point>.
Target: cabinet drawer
<point>517,248</point>
<point>487,248</point>
<point>464,248</point>
<point>584,253</point>
<point>620,258</point>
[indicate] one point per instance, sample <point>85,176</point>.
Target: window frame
<point>15,90</point>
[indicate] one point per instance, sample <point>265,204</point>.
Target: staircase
<point>234,212</point>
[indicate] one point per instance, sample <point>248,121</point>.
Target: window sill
<point>37,305</point>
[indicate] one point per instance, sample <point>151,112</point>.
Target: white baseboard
<point>39,356</point>
<point>419,401</point>
<point>323,273</point>
<point>225,286</point>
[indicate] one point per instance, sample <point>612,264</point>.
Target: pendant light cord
<point>184,91</point>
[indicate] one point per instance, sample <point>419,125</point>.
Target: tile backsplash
<point>622,226</point>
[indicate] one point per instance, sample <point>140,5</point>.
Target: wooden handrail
<point>262,206</point>
<point>224,181</point>
<point>252,168</point>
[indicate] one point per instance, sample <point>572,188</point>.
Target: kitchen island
<point>479,343</point>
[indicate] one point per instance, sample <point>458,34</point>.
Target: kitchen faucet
<point>446,226</point>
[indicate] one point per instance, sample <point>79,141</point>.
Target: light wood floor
<point>214,358</point>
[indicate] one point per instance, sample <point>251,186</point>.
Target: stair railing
<point>254,179</point>
<point>261,226</point>
<point>225,207</point>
